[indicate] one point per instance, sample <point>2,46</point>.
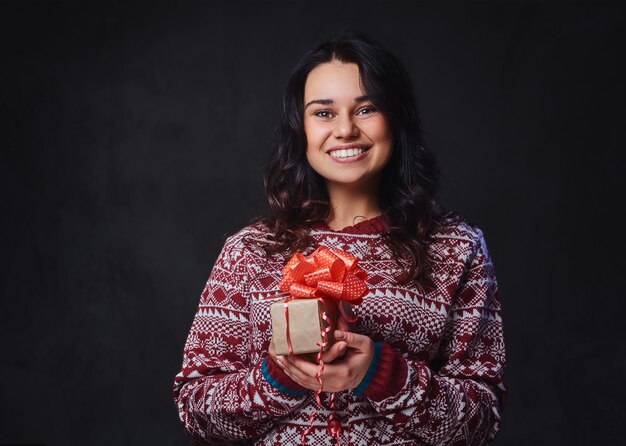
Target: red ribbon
<point>288,335</point>
<point>324,273</point>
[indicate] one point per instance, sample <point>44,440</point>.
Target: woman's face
<point>348,140</point>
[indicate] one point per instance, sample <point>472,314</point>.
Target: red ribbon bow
<point>324,273</point>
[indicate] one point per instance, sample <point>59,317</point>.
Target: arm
<point>219,394</point>
<point>460,402</point>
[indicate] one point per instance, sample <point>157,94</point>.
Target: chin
<point>348,181</point>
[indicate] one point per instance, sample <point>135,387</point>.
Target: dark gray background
<point>132,140</point>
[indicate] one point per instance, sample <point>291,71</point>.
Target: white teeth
<point>345,153</point>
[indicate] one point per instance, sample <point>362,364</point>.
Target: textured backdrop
<point>132,141</point>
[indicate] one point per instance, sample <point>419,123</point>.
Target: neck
<point>351,205</point>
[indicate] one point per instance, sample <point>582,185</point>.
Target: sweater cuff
<point>275,376</point>
<point>386,375</point>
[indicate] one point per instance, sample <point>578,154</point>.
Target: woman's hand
<point>345,363</point>
<point>335,351</point>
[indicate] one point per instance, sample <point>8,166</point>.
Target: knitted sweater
<point>437,374</point>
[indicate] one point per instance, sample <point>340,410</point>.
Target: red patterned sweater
<point>437,376</point>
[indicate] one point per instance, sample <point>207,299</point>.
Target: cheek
<point>383,131</point>
<point>383,137</point>
<point>309,134</point>
<point>310,155</point>
<point>315,137</point>
<point>312,147</point>
<point>379,132</point>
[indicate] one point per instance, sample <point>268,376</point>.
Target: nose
<point>345,126</point>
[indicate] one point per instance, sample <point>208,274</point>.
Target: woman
<point>424,362</point>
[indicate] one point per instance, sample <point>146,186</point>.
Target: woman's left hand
<point>342,373</point>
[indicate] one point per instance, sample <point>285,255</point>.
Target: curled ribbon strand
<point>318,374</point>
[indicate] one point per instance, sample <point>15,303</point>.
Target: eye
<point>324,114</point>
<point>367,110</point>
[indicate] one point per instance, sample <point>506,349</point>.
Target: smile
<point>349,153</point>
<point>346,153</point>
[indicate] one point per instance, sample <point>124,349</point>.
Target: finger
<point>354,340</point>
<point>337,350</point>
<point>297,375</point>
<point>306,367</point>
<point>342,324</point>
<point>280,361</point>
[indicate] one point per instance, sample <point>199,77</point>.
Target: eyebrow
<point>331,102</point>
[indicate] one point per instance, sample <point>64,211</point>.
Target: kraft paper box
<point>305,325</point>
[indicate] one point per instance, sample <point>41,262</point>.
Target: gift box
<point>316,288</point>
<point>302,324</point>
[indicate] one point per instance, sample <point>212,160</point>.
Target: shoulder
<point>247,239</point>
<point>456,239</point>
<point>246,245</point>
<point>255,231</point>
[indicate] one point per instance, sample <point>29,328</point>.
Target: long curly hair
<point>297,194</point>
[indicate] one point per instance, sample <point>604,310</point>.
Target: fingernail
<point>279,362</point>
<point>339,334</point>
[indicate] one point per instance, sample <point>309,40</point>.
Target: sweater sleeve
<point>220,395</point>
<point>457,398</point>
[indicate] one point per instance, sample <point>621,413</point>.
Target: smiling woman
<point>333,98</point>
<point>424,361</point>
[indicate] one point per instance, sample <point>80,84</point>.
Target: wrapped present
<point>318,287</point>
<point>298,325</point>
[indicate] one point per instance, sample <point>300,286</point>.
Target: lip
<point>351,159</point>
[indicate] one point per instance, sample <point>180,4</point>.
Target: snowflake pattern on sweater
<point>438,377</point>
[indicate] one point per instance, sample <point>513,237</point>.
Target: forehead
<point>333,80</point>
